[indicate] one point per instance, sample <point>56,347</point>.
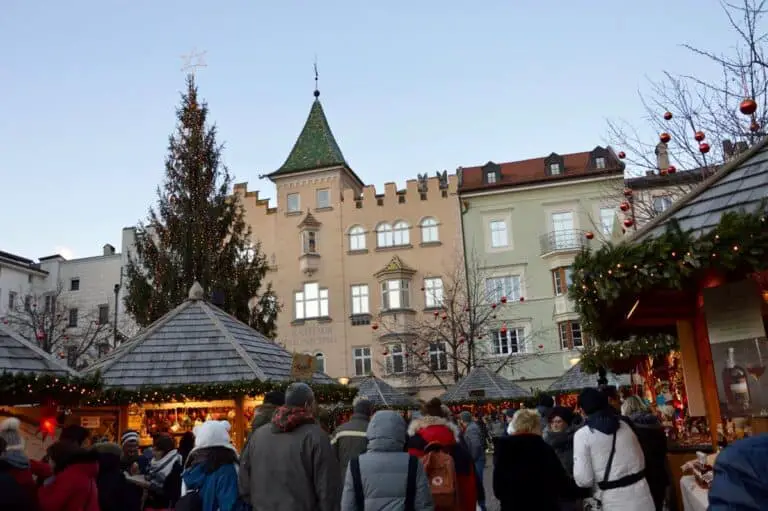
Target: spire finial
<point>196,291</point>
<point>317,90</point>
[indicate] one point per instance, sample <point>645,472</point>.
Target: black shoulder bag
<point>410,488</point>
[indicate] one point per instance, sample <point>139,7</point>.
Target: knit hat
<point>363,406</point>
<point>10,431</point>
<point>212,434</point>
<point>592,400</point>
<point>275,397</point>
<point>107,448</point>
<point>129,436</point>
<point>465,416</point>
<point>564,413</point>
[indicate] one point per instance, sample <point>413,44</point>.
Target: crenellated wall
<point>253,198</point>
<point>429,189</point>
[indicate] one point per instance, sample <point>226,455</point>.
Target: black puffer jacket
<point>653,441</point>
<point>114,491</point>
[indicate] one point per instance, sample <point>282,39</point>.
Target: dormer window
<point>491,173</point>
<point>598,158</point>
<point>554,169</point>
<point>554,165</point>
<point>490,177</point>
<point>600,162</point>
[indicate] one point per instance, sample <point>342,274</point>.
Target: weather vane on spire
<point>192,61</point>
<point>317,90</point>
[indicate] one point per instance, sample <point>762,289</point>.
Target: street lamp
<point>344,380</point>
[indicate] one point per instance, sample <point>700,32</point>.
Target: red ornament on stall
<point>671,169</point>
<point>699,136</point>
<point>624,206</point>
<point>47,427</point>
<point>622,155</point>
<point>589,235</point>
<point>503,299</point>
<point>375,326</point>
<point>628,222</point>
<point>667,116</point>
<point>748,106</point>
<point>703,148</point>
<point>627,192</point>
<point>665,137</point>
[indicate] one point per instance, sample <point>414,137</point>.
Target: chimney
<point>728,148</point>
<point>109,250</point>
<point>662,156</point>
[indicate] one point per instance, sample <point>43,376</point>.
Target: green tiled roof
<point>315,148</point>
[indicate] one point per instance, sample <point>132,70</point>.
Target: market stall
<point>565,390</point>
<point>696,272</point>
<point>384,395</point>
<point>484,390</point>
<point>198,363</point>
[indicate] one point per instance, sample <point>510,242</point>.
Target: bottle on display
<point>736,385</point>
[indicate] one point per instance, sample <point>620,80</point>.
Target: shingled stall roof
<point>18,355</point>
<point>196,343</point>
<point>381,393</point>
<point>575,380</point>
<point>483,384</point>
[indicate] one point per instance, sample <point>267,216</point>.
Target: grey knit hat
<point>10,431</point>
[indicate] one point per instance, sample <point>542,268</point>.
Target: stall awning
<point>482,384</point>
<point>18,355</point>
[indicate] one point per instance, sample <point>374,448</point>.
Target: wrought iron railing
<point>562,241</point>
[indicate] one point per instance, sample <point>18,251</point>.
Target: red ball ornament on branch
<point>628,222</point>
<point>663,172</point>
<point>624,206</point>
<point>627,192</point>
<point>436,313</point>
<point>699,136</point>
<point>375,326</point>
<point>444,316</point>
<point>40,336</point>
<point>522,299</point>
<point>667,116</point>
<point>665,137</point>
<point>622,155</point>
<point>462,340</point>
<point>493,306</point>
<point>503,299</point>
<point>748,106</point>
<point>671,169</point>
<point>503,329</point>
<point>589,235</point>
<point>385,353</point>
<point>541,346</point>
<point>704,148</point>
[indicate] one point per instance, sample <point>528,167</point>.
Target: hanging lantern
<point>627,192</point>
<point>375,326</point>
<point>703,148</point>
<point>47,427</point>
<point>624,206</point>
<point>667,116</point>
<point>589,235</point>
<point>748,106</point>
<point>699,136</point>
<point>503,299</point>
<point>671,169</point>
<point>665,137</point>
<point>628,222</point>
<point>622,155</point>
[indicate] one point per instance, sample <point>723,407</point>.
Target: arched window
<point>384,235</point>
<point>319,362</point>
<point>401,233</point>
<point>357,238</point>
<point>429,232</point>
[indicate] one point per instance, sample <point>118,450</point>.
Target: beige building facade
<point>344,255</point>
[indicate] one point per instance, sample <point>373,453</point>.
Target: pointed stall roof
<point>575,380</point>
<point>18,355</point>
<point>196,343</point>
<point>492,385</point>
<point>381,393</point>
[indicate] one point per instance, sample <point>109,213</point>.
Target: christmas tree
<point>197,232</point>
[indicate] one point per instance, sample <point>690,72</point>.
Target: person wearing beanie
<point>115,492</point>
<point>27,473</point>
<point>544,405</point>
<point>73,487</point>
<point>289,464</point>
<point>607,457</point>
<point>559,436</point>
<point>13,496</point>
<point>76,434</point>
<point>164,474</point>
<point>349,440</point>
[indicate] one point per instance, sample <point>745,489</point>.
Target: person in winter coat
<point>559,436</point>
<point>13,496</point>
<point>435,428</point>
<point>527,474</point>
<point>384,470</point>
<point>186,444</point>
<point>263,415</point>
<point>741,476</point>
<point>211,469</point>
<point>618,480</point>
<point>497,427</point>
<point>289,464</point>
<point>653,442</point>
<point>76,434</point>
<point>114,490</point>
<point>28,473</point>
<point>164,474</point>
<point>544,406</point>
<point>132,463</point>
<point>349,441</point>
<point>475,442</point>
<point>73,485</point>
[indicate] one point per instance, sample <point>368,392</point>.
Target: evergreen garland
<point>30,388</point>
<point>609,355</point>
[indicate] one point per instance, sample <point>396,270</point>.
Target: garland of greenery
<point>612,277</point>
<point>607,354</point>
<point>30,388</point>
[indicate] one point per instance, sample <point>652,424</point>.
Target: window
<point>28,303</point>
<point>362,360</point>
<point>438,357</point>
<point>607,217</point>
<point>429,232</point>
<point>490,177</point>
<point>309,242</point>
<point>600,162</point>
<point>103,314</point>
<point>396,359</point>
<point>360,299</point>
<point>661,203</point>
<point>323,198</point>
<point>73,313</point>
<point>433,292</point>
<point>50,304</point>
<point>357,238</point>
<point>564,236</point>
<point>294,204</point>
<point>554,169</point>
<point>395,295</point>
<point>498,287</point>
<point>570,335</point>
<point>562,278</point>
<point>312,302</point>
<point>11,300</point>
<point>319,363</point>
<point>499,237</point>
<point>401,234</point>
<point>29,279</point>
<point>384,236</point>
<point>508,342</point>
<point>74,285</point>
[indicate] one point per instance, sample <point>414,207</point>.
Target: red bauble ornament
<point>754,126</point>
<point>461,340</point>
<point>627,192</point>
<point>663,172</point>
<point>40,336</point>
<point>628,222</point>
<point>541,346</point>
<point>622,155</point>
<point>624,206</point>
<point>422,289</point>
<point>699,136</point>
<point>436,313</point>
<point>703,148</point>
<point>466,309</point>
<point>493,306</point>
<point>375,326</point>
<point>385,353</point>
<point>5,321</point>
<point>665,137</point>
<point>667,116</point>
<point>48,426</point>
<point>445,316</point>
<point>503,299</point>
<point>671,169</point>
<point>522,299</point>
<point>589,235</point>
<point>748,106</point>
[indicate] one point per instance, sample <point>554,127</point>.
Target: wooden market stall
<point>384,395</point>
<point>486,390</point>
<point>565,390</point>
<point>696,272</point>
<point>198,363</point>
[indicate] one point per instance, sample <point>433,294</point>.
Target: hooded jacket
<point>350,441</point>
<point>384,469</point>
<point>24,471</point>
<point>431,429</point>
<point>289,465</point>
<point>741,476</point>
<point>653,442</point>
<point>13,496</point>
<point>73,486</point>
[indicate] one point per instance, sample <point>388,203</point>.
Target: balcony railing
<point>562,241</point>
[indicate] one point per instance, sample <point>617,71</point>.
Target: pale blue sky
<point>88,91</point>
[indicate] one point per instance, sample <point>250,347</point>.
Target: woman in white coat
<point>607,457</point>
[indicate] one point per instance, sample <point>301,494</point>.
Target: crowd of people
<point>603,455</point>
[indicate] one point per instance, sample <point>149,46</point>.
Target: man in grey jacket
<point>384,470</point>
<point>473,437</point>
<point>349,440</point>
<point>289,464</point>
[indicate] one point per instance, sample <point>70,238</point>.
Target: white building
<point>19,277</point>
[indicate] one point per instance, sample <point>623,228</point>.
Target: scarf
<point>288,418</point>
<point>605,421</point>
<point>160,469</point>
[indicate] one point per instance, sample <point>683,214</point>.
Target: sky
<point>88,90</point>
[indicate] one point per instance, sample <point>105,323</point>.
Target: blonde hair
<point>526,421</point>
<point>633,404</point>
